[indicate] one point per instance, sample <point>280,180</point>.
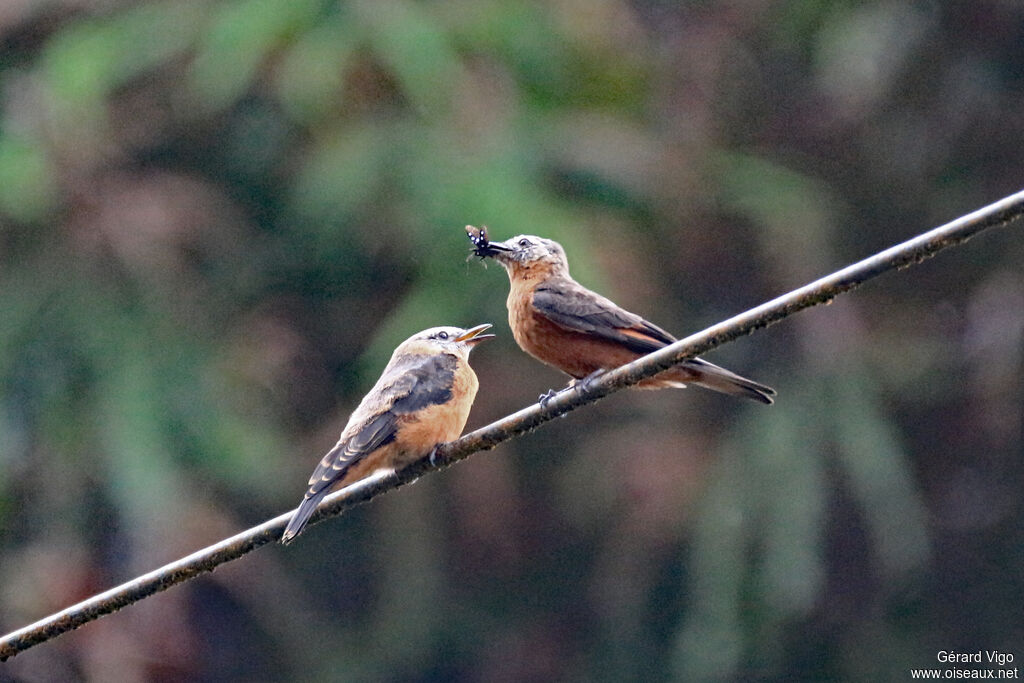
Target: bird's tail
<point>710,376</point>
<point>302,514</point>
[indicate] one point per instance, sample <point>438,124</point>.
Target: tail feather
<point>716,378</point>
<point>302,514</point>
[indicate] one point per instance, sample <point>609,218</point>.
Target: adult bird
<point>560,322</point>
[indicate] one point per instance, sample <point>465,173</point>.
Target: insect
<point>481,245</point>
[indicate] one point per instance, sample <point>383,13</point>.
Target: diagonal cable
<point>820,291</point>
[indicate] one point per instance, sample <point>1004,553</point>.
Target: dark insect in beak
<point>482,247</point>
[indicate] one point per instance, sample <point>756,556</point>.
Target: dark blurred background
<point>218,218</point>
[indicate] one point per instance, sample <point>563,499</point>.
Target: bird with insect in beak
<point>560,322</point>
<point>421,400</point>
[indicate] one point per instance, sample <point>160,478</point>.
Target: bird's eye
<point>524,242</point>
<point>442,335</point>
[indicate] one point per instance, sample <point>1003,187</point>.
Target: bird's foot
<point>544,398</point>
<point>433,457</point>
<point>584,384</point>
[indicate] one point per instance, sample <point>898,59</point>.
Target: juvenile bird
<point>421,400</point>
<point>562,323</point>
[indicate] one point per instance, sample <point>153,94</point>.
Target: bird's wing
<point>369,435</point>
<point>414,383</point>
<point>578,309</point>
<point>379,431</point>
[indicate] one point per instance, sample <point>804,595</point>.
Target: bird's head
<point>521,255</point>
<point>454,340</point>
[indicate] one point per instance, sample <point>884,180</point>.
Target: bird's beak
<point>482,246</point>
<point>472,336</point>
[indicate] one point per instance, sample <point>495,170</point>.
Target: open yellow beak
<point>473,336</point>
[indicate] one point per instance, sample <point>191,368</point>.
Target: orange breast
<point>423,430</point>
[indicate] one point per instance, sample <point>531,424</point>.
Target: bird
<point>561,323</point>
<point>421,400</point>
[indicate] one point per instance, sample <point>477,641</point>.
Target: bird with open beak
<point>421,400</point>
<point>560,322</point>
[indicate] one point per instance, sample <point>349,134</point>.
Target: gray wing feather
<point>581,310</point>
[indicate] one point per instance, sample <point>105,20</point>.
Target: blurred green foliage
<point>218,219</point>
